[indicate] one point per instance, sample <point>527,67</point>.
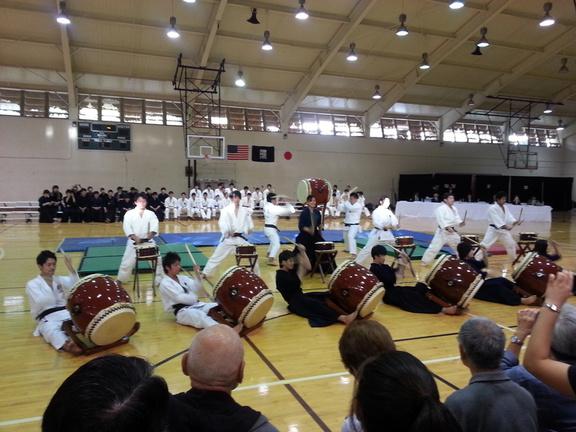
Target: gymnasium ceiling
<point>120,48</point>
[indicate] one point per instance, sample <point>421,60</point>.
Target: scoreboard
<point>103,136</point>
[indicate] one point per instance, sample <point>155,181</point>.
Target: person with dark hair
<point>491,401</point>
<point>353,212</point>
<point>48,295</point>
<point>70,209</point>
<point>397,393</point>
<point>56,197</point>
<point>109,206</point>
<point>556,412</point>
<point>309,224</point>
<point>493,289</point>
<point>408,298</point>
<point>83,202</point>
<point>171,206</point>
<point>235,224</point>
<point>272,211</point>
<point>541,248</point>
<point>501,222</point>
<point>47,211</point>
<point>554,371</point>
<point>384,222</point>
<point>307,305</point>
<point>180,294</point>
<point>215,365</point>
<point>125,205</point>
<point>96,209</point>
<point>140,226</point>
<point>447,218</point>
<point>360,341</point>
<point>111,393</point>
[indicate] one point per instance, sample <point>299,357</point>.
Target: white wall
<point>37,153</point>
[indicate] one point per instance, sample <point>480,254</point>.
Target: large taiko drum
<point>354,288</point>
<point>320,188</point>
<point>404,240</point>
<point>101,309</point>
<point>532,273</point>
<point>243,296</point>
<point>453,281</point>
<point>324,246</point>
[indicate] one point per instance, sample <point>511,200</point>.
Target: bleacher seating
<point>19,210</point>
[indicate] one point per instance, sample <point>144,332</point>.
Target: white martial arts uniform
<point>247,203</point>
<point>185,292</point>
<point>271,214</point>
<point>183,206</point>
<point>205,209</point>
<point>351,224</point>
<point>331,207</point>
<point>194,207</point>
<point>231,222</point>
<point>257,197</point>
<point>171,205</point>
<point>384,221</point>
<point>446,216</point>
<point>140,226</point>
<point>44,297</point>
<point>209,193</point>
<point>196,192</point>
<point>497,218</point>
<point>216,207</point>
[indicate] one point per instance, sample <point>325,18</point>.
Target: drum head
<point>257,309</point>
<point>111,324</point>
<point>303,190</point>
<point>370,301</point>
<point>437,266</point>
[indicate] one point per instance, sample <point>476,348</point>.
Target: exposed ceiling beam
<point>494,8</point>
<point>560,43</point>
<point>209,40</point>
<point>306,84</point>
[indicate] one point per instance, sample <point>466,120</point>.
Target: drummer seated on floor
<point>307,305</point>
<point>494,289</point>
<point>180,295</point>
<point>408,298</point>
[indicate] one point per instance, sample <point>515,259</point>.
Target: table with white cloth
<point>473,211</point>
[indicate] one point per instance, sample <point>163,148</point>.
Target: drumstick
<point>520,217</point>
<point>465,214</point>
<point>352,190</point>
<point>286,238</point>
<point>401,252</point>
<point>194,263</point>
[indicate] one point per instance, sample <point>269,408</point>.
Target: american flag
<point>238,152</point>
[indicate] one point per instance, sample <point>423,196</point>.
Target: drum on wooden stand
<point>404,240</point>
<point>471,239</point>
<point>245,250</point>
<point>242,298</point>
<point>147,251</point>
<point>324,246</point>
<point>531,275</point>
<point>319,188</point>
<point>354,288</point>
<point>453,281</point>
<point>528,236</point>
<point>101,309</point>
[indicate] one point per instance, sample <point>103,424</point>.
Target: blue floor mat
<point>82,243</point>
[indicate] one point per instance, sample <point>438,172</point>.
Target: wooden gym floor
<point>293,373</point>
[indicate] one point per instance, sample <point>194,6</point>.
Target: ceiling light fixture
<point>456,4</point>
<point>352,55</point>
<point>189,1</point>
<point>172,31</point>
<point>471,100</point>
<point>302,13</point>
<point>402,30</point>
<point>563,67</point>
<point>560,126</point>
<point>483,42</point>
<point>377,94</point>
<point>547,110</point>
<point>253,19</point>
<point>266,46</point>
<point>477,51</point>
<point>62,17</point>
<point>240,79</point>
<point>425,64</point>
<point>547,20</point>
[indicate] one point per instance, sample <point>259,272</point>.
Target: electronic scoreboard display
<point>103,136</point>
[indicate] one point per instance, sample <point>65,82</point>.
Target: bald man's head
<point>215,359</point>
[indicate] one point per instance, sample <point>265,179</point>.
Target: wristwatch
<point>552,307</point>
<point>514,339</point>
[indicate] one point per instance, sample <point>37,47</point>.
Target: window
<point>254,121</point>
<point>272,121</point>
<point>110,109</point>
<point>173,113</point>
<point>154,112</point>
<point>88,107</point>
<point>325,124</point>
<point>58,105</point>
<point>11,102</point>
<point>34,104</point>
<point>132,110</point>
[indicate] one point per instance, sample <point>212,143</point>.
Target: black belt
<point>241,235</point>
<point>494,226</point>
<point>381,229</point>
<point>448,227</point>
<point>49,311</point>
<point>271,226</point>
<point>350,224</point>
<point>177,307</point>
